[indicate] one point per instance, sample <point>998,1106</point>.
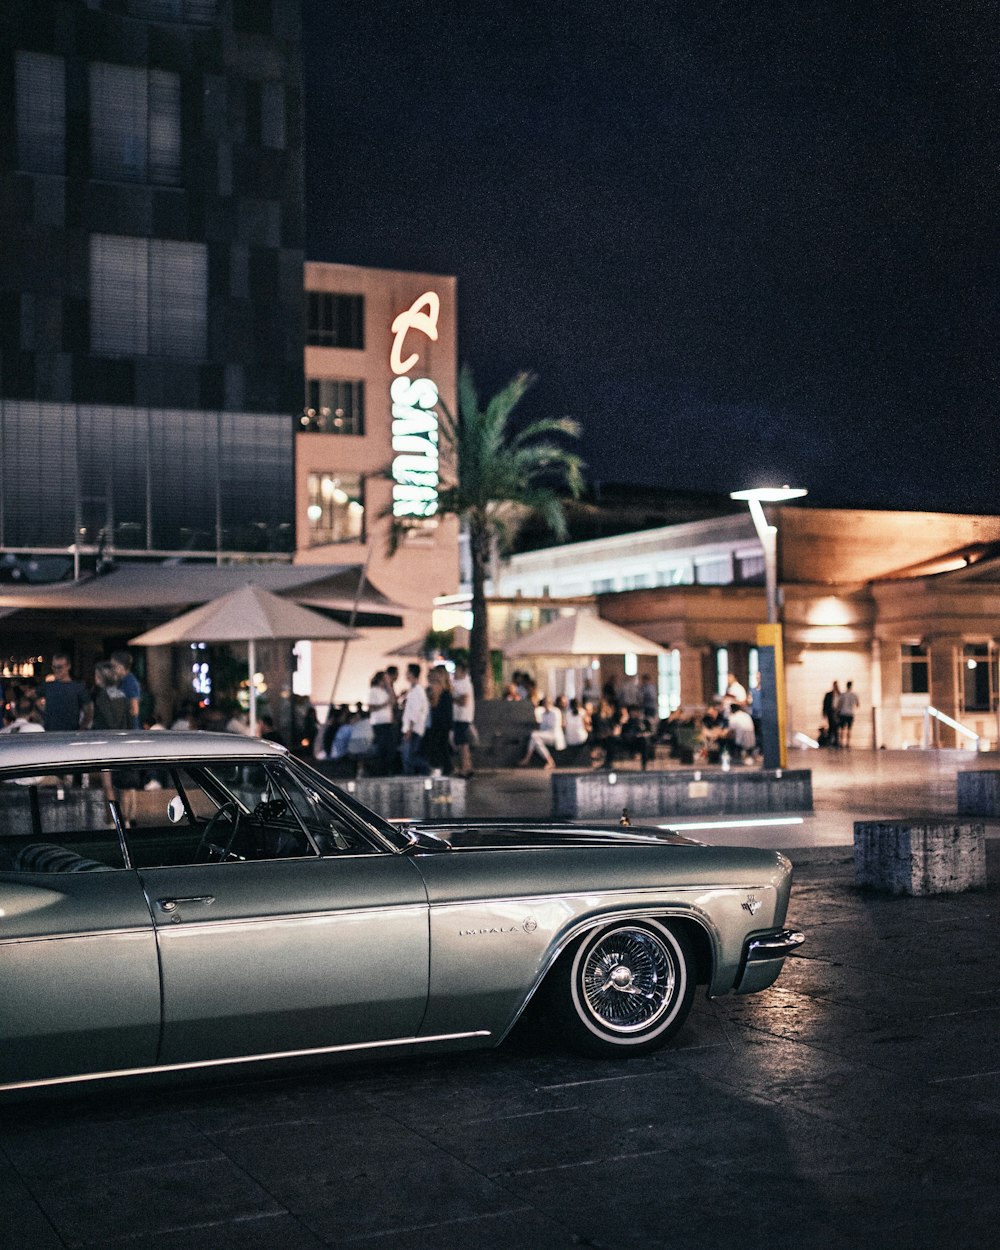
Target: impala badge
<point>752,905</point>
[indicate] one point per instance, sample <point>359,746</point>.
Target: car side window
<point>216,813</point>
<point>333,831</point>
<point>59,823</point>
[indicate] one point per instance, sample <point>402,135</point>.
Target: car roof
<point>99,747</point>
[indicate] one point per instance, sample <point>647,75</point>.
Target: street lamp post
<point>769,640</point>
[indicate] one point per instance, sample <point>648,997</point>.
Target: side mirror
<point>175,810</point>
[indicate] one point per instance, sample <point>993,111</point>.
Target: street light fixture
<point>769,641</point>
<point>768,534</point>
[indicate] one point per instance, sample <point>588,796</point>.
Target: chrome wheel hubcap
<point>628,979</point>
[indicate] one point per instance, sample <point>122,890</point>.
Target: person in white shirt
<point>736,692</point>
<point>548,734</point>
<point>847,706</point>
<point>742,735</point>
<point>416,712</point>
<point>464,713</point>
<point>23,722</point>
<point>381,712</point>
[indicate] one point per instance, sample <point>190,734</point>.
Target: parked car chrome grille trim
<point>262,1058</point>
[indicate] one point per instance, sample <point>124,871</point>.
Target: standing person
<point>67,705</point>
<point>437,745</point>
<point>122,660</point>
<point>465,714</point>
<point>830,701</point>
<point>416,712</point>
<point>381,713</point>
<point>649,699</point>
<point>847,706</point>
<point>111,709</point>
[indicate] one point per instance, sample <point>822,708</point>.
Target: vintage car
<point>173,901</point>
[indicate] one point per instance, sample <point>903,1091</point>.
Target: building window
<point>41,113</point>
<point>603,585</point>
<point>669,674</point>
<point>636,581</point>
<point>335,320</point>
<point>334,407</point>
<point>336,511</point>
<point>978,681</point>
<point>750,568</point>
<point>135,128</point>
<point>713,571</point>
<point>916,668</point>
<point>721,670</point>
<point>148,297</point>
<point>677,575</point>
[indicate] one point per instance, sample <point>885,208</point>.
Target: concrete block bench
<point>979,792</point>
<point>409,798</point>
<point>930,856</point>
<point>681,792</point>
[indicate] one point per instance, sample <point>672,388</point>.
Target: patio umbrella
<point>582,634</point>
<point>251,615</point>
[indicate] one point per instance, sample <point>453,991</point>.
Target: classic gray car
<point>175,901</point>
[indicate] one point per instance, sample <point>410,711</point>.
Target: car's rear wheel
<point>625,988</point>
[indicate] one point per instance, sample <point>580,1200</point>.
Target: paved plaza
<point>856,1102</point>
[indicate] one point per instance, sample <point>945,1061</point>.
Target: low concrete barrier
<point>681,792</point>
<point>409,798</point>
<point>929,856</point>
<point>979,792</point>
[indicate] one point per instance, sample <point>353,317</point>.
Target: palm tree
<point>500,477</point>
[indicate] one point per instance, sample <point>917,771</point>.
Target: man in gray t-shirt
<point>67,704</point>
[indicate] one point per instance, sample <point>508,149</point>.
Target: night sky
<point>739,242</point>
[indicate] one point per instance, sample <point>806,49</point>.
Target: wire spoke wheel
<point>628,978</point>
<point>625,988</point>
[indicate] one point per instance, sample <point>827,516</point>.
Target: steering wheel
<point>208,849</point>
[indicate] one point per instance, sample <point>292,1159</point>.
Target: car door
<point>267,946</point>
<point>79,975</point>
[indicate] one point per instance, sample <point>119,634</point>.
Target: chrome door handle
<point>171,904</point>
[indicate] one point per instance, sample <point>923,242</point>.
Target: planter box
<point>681,792</point>
<point>979,792</point>
<point>409,798</point>
<point>929,856</point>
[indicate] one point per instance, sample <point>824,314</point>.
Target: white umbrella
<point>249,614</point>
<point>582,634</point>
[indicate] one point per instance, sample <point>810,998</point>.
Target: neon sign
<point>414,419</point>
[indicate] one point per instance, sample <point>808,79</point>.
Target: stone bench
<point>919,856</point>
<point>979,792</point>
<point>409,798</point>
<point>681,792</point>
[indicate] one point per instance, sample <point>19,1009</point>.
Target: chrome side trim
<point>144,930</point>
<point>643,891</point>
<point>291,917</point>
<point>237,1059</point>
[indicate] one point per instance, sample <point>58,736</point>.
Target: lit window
<point>603,585</point>
<point>978,678</point>
<point>333,407</point>
<point>335,509</point>
<point>41,113</point>
<point>135,130</point>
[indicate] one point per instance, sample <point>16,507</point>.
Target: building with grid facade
<point>151,302</point>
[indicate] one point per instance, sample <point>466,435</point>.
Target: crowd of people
<point>426,727</point>
<point>623,722</point>
<point>412,728</point>
<point>112,701</point>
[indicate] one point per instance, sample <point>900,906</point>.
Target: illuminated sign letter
<point>414,419</point>
<point>414,319</point>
